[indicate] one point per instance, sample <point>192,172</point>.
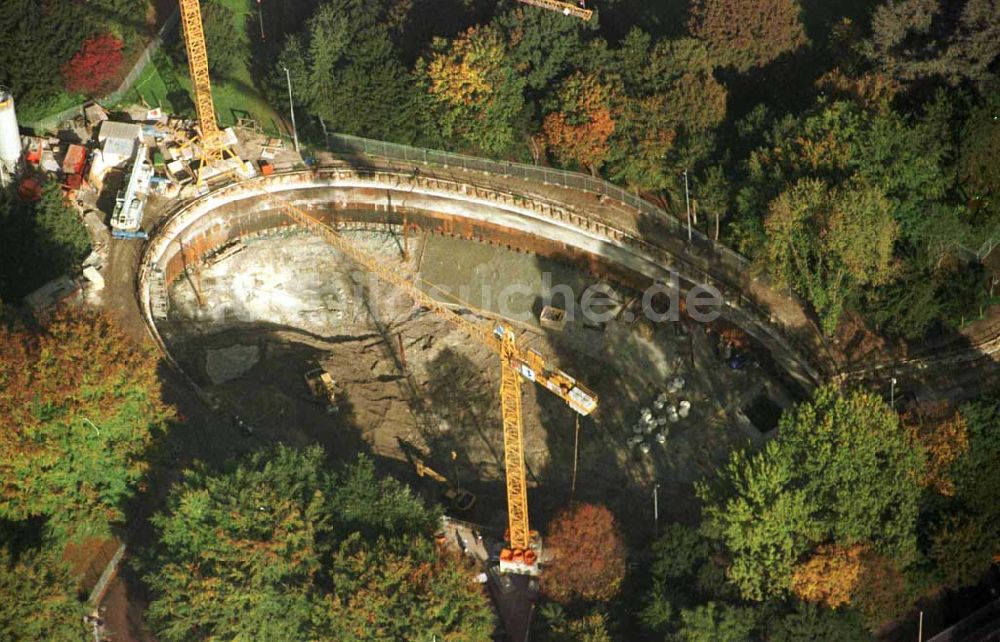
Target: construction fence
<point>52,122</point>
<point>345,144</point>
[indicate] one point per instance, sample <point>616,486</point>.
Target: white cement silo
<point>10,137</point>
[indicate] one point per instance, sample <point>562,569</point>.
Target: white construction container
<point>10,137</point>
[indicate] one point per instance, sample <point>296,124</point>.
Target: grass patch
<point>36,111</point>
<point>165,83</point>
<point>236,96</point>
<point>152,87</point>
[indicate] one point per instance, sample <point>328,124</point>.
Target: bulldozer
<point>323,387</point>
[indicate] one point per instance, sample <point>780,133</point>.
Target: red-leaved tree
<point>94,69</point>
<point>588,555</point>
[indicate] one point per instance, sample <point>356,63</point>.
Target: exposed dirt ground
<point>284,305</point>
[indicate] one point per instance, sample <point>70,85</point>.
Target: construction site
<point>505,345</point>
<point>248,328</point>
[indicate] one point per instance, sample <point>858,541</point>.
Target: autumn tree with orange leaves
<point>944,436</point>
<point>669,106</point>
<point>829,576</point>
<point>579,130</point>
<point>474,90</point>
<point>747,33</point>
<point>588,555</point>
<point>80,407</point>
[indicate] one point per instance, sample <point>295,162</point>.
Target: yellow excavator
<point>458,498</point>
<point>521,554</point>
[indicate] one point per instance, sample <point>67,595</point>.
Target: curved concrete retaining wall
<point>392,191</point>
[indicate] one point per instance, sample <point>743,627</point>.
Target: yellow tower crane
<point>565,8</point>
<point>515,363</point>
<point>211,141</point>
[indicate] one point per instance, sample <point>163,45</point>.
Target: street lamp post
<point>260,17</point>
<point>687,203</point>
<point>291,107</point>
<point>892,393</point>
<point>656,510</point>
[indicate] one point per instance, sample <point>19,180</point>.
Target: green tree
<point>238,554</point>
<point>974,474</point>
<point>402,589</point>
<point>669,107</point>
<point>963,533</point>
<point>544,46</point>
<point>278,548</point>
<point>963,547</point>
<point>914,39</point>
<point>747,33</point>
<point>36,39</point>
<point>592,627</point>
<point>827,245</point>
<point>685,572</point>
<point>810,623</point>
<point>979,171</point>
<point>371,505</point>
<point>80,407</point>
<point>714,622</point>
<point>226,46</point>
<point>63,237</point>
<point>41,241</point>
<point>346,70</point>
<point>474,91</point>
<point>40,600</point>
<point>842,469</point>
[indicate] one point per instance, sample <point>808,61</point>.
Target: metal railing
<point>343,143</point>
<point>737,268</point>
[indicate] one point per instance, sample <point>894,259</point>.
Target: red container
<point>76,156</point>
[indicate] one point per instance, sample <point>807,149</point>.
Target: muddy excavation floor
<point>283,305</point>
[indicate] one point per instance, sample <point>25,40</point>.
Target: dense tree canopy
<point>815,536</point>
<point>842,470</point>
<point>403,589</point>
<point>900,166</point>
<point>346,70</point>
<point>578,130</point>
<point>914,39</point>
<point>474,90</point>
<point>279,548</point>
<point>41,240</point>
<point>40,600</point>
<point>747,33</point>
<point>80,408</point>
<point>669,106</point>
<point>827,244</point>
<point>225,46</point>
<point>38,38</point>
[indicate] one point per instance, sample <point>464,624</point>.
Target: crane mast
<point>515,363</point>
<point>211,140</point>
<point>513,451</point>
